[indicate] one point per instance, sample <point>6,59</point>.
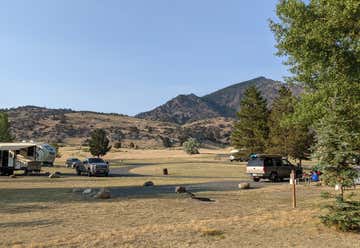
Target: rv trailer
<point>18,156</point>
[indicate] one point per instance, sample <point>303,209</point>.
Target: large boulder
<point>103,194</point>
<point>148,184</point>
<point>244,185</point>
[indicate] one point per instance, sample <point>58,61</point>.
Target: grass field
<point>40,212</point>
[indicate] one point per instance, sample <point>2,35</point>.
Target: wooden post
<point>293,181</point>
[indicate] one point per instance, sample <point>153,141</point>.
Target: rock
<point>77,190</point>
<point>180,189</point>
<point>148,184</point>
<point>244,185</point>
<point>54,175</point>
<point>12,176</point>
<point>87,191</point>
<point>103,194</point>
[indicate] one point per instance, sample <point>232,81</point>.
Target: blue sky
<point>128,56</point>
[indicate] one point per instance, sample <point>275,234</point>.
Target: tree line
<point>263,130</point>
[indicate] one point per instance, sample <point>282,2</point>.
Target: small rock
<point>244,185</point>
<point>54,176</point>
<point>180,189</point>
<point>148,184</point>
<point>12,176</point>
<point>103,194</point>
<point>87,191</point>
<point>77,190</point>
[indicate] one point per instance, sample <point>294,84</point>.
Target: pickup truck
<point>93,167</point>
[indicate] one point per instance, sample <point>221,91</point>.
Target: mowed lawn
<point>40,212</point>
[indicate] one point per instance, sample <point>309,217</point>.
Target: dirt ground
<point>40,212</point>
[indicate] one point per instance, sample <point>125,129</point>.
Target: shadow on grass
<point>34,223</point>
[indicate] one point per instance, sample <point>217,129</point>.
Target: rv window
<point>31,151</point>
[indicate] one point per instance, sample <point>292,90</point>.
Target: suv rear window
<point>255,162</point>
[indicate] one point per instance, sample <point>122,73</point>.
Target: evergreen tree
<point>99,143</point>
<point>250,132</point>
<point>285,138</point>
<point>5,135</point>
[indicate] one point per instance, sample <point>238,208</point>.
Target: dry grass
<point>40,212</point>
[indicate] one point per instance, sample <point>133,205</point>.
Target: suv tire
<point>274,177</point>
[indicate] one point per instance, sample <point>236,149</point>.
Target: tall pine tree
<point>5,135</point>
<point>285,138</point>
<point>250,132</point>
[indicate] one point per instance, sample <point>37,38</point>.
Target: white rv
<point>46,154</point>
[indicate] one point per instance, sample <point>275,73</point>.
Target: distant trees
<point>191,146</point>
<point>5,135</point>
<point>99,143</point>
<point>251,131</point>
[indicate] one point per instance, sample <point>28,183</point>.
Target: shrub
<point>191,146</point>
<point>344,215</point>
<point>132,145</point>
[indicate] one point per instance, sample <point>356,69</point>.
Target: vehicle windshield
<point>96,160</point>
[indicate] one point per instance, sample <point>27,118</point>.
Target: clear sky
<point>128,56</point>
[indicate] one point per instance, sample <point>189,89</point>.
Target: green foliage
<point>251,130</point>
<point>99,143</point>
<point>287,138</point>
<point>5,135</point>
<point>344,215</point>
<point>320,39</point>
<point>191,146</point>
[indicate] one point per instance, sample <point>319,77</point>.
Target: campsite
<point>41,212</point>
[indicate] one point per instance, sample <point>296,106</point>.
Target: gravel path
<point>133,191</point>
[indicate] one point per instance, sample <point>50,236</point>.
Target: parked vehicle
<point>18,156</point>
<point>72,162</point>
<point>273,167</point>
<point>238,155</point>
<point>46,154</point>
<point>93,167</point>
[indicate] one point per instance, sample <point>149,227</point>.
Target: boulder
<point>77,190</point>
<point>103,194</point>
<point>244,185</point>
<point>180,189</point>
<point>87,191</point>
<point>148,184</point>
<point>54,175</point>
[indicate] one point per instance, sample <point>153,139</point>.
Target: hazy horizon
<point>130,56</point>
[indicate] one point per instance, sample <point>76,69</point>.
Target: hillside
<point>73,127</point>
<point>222,103</point>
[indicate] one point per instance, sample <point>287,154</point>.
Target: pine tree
<point>99,143</point>
<point>5,135</point>
<point>250,132</point>
<point>286,138</point>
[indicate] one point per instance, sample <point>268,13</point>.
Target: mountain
<point>222,103</point>
<point>182,109</point>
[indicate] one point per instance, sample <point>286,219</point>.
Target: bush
<point>132,145</point>
<point>343,215</point>
<point>191,146</point>
<point>117,145</point>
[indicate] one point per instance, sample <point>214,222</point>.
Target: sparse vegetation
<point>191,146</point>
